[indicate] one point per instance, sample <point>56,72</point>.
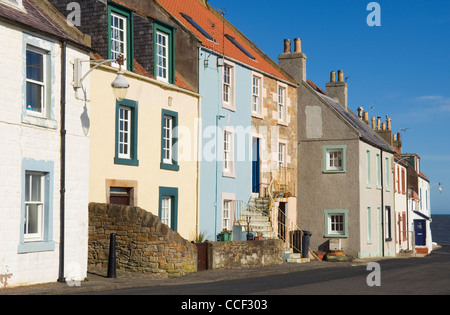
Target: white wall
<point>25,139</point>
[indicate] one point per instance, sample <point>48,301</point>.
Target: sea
<point>440,228</point>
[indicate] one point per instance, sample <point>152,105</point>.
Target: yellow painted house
<point>143,148</point>
<point>131,162</point>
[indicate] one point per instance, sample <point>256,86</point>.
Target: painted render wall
<point>28,144</point>
<point>239,186</point>
<point>152,97</point>
<point>319,126</point>
<point>374,223</point>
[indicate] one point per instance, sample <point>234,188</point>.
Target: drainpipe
<point>63,162</point>
<point>382,205</point>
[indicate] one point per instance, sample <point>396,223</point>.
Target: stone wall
<point>245,254</point>
<point>143,243</point>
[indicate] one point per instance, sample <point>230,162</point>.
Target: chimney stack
<point>293,63</point>
<point>338,90</point>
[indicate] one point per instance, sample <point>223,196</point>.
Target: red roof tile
<point>206,17</point>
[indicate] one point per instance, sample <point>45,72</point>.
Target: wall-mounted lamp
<point>439,188</point>
<point>120,85</point>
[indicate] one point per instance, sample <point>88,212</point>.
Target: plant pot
<point>223,237</point>
<point>259,238</point>
<point>320,255</point>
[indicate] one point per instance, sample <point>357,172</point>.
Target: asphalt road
<point>428,275</point>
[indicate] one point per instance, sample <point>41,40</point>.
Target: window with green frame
<point>169,140</point>
<point>120,35</point>
<point>168,207</point>
<point>336,223</point>
<point>126,133</point>
<point>164,56</point>
<point>335,159</point>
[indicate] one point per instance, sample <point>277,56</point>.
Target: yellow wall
<point>151,99</point>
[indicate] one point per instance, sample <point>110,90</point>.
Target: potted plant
<point>259,236</point>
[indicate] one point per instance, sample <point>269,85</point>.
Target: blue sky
<point>401,68</point>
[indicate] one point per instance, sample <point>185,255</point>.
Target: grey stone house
<point>345,180</point>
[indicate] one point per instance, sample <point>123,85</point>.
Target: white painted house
<point>44,141</point>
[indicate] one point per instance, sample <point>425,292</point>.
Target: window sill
<point>34,247</point>
<point>334,172</point>
<point>170,167</point>
<point>282,123</point>
<point>336,235</point>
<point>229,175</point>
<point>257,115</point>
<point>229,107</point>
<point>39,121</point>
<point>129,162</point>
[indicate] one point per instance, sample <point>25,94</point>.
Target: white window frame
<point>281,155</point>
<point>336,224</point>
<point>281,103</point>
<point>166,210</point>
<point>42,84</point>
<point>40,205</point>
<point>334,156</point>
<point>228,86</point>
<point>125,143</point>
<point>256,93</point>
<point>116,30</point>
<point>162,56</point>
<point>168,140</point>
<point>227,208</point>
<point>228,152</point>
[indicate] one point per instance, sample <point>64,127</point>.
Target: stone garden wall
<point>143,243</point>
<point>245,254</point>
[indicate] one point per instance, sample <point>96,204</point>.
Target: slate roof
<point>366,133</point>
<point>40,16</point>
<point>206,16</point>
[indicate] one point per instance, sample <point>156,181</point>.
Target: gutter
<point>63,162</point>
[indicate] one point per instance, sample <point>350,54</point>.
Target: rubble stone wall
<point>143,243</point>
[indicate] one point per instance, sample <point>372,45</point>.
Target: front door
<point>420,232</point>
<point>256,166</point>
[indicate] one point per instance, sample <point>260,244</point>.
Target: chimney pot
<point>287,46</point>
<point>341,76</point>
<point>360,112</point>
<point>373,123</point>
<point>378,123</point>
<point>388,122</point>
<point>333,76</point>
<point>297,45</point>
<point>366,117</point>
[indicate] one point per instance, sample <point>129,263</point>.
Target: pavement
<point>97,279</point>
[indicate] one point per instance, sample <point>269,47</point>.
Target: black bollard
<point>112,257</point>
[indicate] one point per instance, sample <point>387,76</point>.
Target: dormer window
<point>164,53</point>
<point>120,29</point>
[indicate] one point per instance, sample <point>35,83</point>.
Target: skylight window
<point>198,27</point>
<point>233,40</point>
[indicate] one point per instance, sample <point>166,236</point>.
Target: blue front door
<point>420,232</point>
<point>256,166</point>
